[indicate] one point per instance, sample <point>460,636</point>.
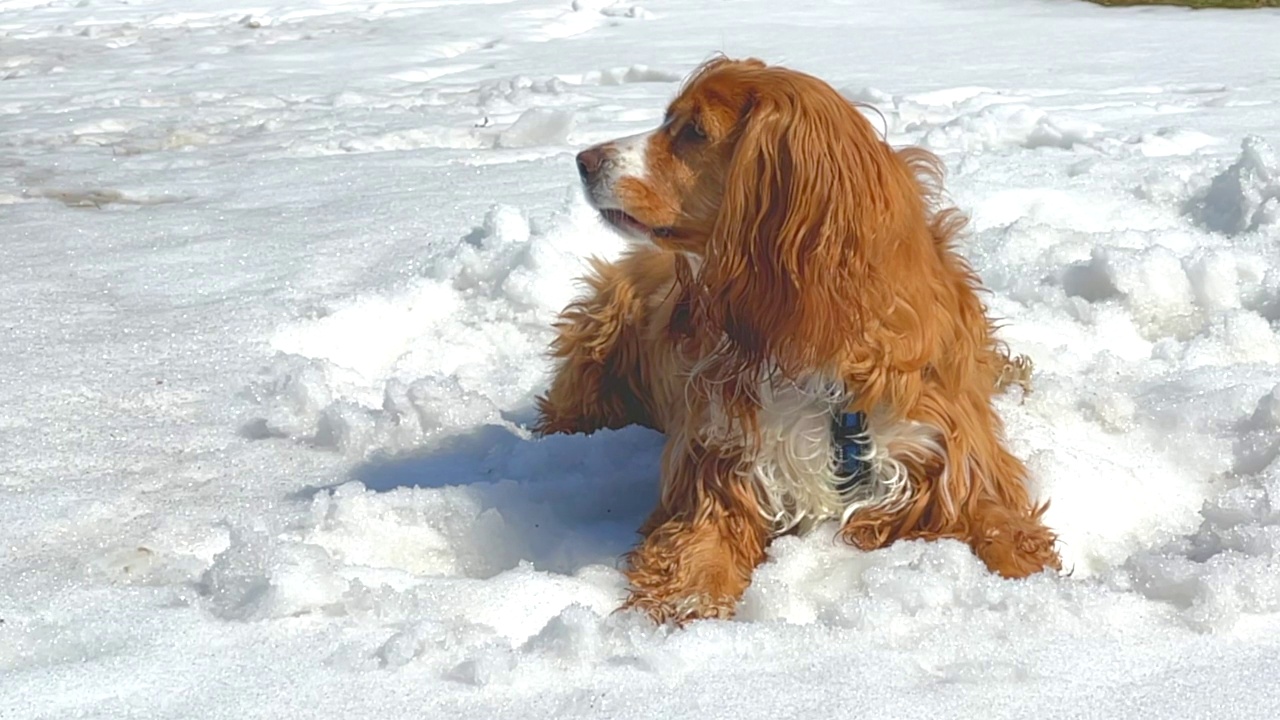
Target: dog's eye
<point>692,132</point>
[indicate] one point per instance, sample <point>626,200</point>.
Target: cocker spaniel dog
<point>796,321</point>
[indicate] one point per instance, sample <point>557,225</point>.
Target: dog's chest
<point>794,461</point>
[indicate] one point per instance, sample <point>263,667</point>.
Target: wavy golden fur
<point>795,265</point>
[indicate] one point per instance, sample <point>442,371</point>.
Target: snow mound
<point>816,579</point>
<point>1226,569</point>
<point>1225,278</point>
<point>975,120</point>
<point>1245,196</point>
<point>259,578</point>
<point>1233,337</point>
<point>1150,282</point>
<point>515,94</point>
<point>537,126</point>
<point>1172,141</point>
<point>611,9</point>
<point>630,74</point>
<point>921,112</point>
<point>401,140</point>
<point>1010,125</point>
<point>441,355</point>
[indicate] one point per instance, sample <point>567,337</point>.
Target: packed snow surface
<point>276,284</point>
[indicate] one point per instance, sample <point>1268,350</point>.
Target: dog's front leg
<point>703,542</point>
<point>597,382</point>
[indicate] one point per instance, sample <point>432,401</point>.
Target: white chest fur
<point>794,460</point>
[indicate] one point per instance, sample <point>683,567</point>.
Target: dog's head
<point>809,226</point>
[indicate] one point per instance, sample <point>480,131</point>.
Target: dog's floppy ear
<point>810,260</point>
<point>753,251</point>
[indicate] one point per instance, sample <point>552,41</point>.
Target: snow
<point>277,282</point>
<point>1243,197</point>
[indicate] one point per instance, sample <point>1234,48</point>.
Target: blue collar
<point>849,430</point>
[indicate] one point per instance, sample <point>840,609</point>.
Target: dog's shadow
<point>562,502</point>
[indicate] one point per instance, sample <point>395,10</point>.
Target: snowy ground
<point>275,284</point>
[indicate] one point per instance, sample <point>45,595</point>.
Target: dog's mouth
<point>625,223</point>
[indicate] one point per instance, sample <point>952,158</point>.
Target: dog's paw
<point>1017,370</point>
<point>1018,550</point>
<point>681,610</point>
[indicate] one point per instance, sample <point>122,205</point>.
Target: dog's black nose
<point>590,162</point>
